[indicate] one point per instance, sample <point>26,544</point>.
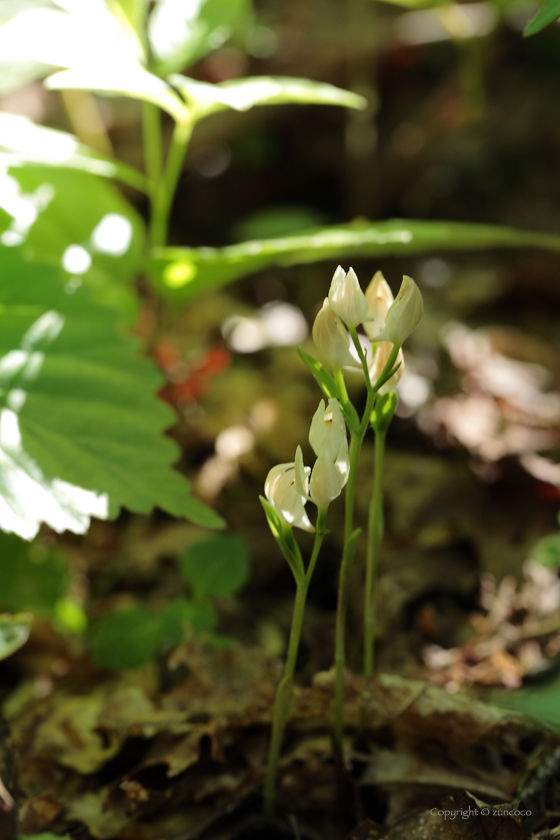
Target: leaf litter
<point>128,762</point>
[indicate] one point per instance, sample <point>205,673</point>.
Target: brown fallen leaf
<point>173,765</point>
<point>37,814</point>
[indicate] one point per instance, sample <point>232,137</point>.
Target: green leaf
<point>216,567</point>
<point>80,426</point>
<point>243,94</point>
<point>14,632</point>
<point>547,13</point>
<point>74,37</point>
<point>180,33</point>
<point>284,539</point>
<point>383,412</point>
<point>132,12</point>
<point>122,79</point>
<point>33,577</point>
<point>547,551</point>
<point>184,273</point>
<point>74,219</point>
<point>23,142</point>
<point>539,702</point>
<point>127,638</point>
<point>200,615</point>
<point>324,380</point>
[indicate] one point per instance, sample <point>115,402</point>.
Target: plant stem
<point>375,535</point>
<point>165,189</point>
<point>356,438</point>
<point>284,692</point>
<point>153,151</point>
<point>342,603</point>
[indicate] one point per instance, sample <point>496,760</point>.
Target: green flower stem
<point>165,188</point>
<point>284,692</point>
<point>374,537</point>
<point>153,152</point>
<point>348,552</point>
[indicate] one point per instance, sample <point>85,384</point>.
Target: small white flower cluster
<point>288,487</point>
<point>386,321</point>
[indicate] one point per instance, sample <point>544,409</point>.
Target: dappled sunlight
<point>112,235</point>
<point>505,408</point>
<point>76,260</point>
<point>27,496</point>
<point>24,208</point>
<point>19,134</point>
<point>454,21</point>
<point>231,445</point>
<point>277,325</point>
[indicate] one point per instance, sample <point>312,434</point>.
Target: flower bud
<point>328,430</point>
<point>327,436</point>
<point>379,297</point>
<point>326,482</point>
<point>331,339</point>
<point>347,299</point>
<point>380,359</point>
<point>404,315</point>
<point>286,489</point>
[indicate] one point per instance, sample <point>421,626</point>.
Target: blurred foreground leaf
<point>14,632</point>
<point>81,431</point>
<point>244,94</point>
<point>200,616</point>
<point>548,13</point>
<point>77,221</point>
<point>216,567</point>
<point>180,33</point>
<point>121,78</point>
<point>33,577</point>
<point>23,142</point>
<point>539,702</point>
<point>184,273</point>
<point>127,638</point>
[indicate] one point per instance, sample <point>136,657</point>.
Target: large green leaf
<point>183,273</point>
<point>547,13</point>
<point>182,32</point>
<point>76,220</point>
<point>78,34</point>
<point>120,78</point>
<point>81,431</point>
<point>22,142</point>
<point>243,94</point>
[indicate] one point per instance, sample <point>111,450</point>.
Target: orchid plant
<point>289,487</point>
